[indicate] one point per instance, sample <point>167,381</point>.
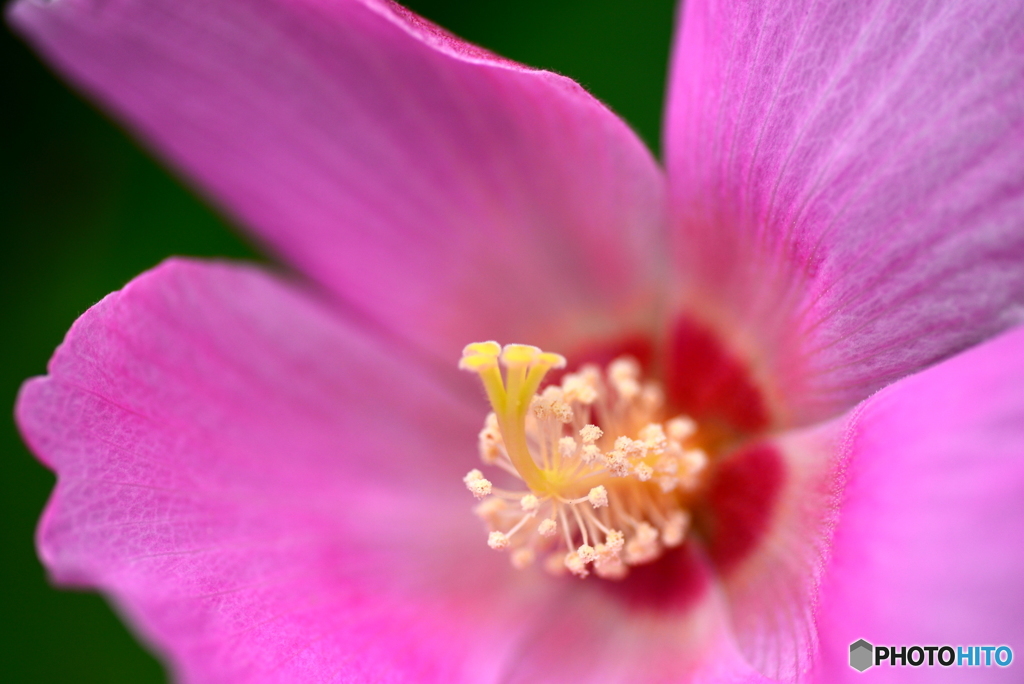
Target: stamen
<point>522,558</point>
<point>497,540</point>
<point>590,434</point>
<point>476,483</point>
<point>595,442</point>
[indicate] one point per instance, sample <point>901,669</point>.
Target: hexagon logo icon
<point>860,655</point>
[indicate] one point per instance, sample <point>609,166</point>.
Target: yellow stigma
<point>597,457</point>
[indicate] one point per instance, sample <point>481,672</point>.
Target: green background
<point>85,209</point>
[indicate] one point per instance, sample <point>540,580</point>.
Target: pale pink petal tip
<point>926,550</point>
<point>242,471</point>
<point>372,150</point>
<point>846,183</point>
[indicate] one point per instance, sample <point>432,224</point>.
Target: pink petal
<point>927,550</point>
<point>767,519</point>
<point>846,185</point>
<point>595,632</point>
<point>451,195</point>
<point>268,493</point>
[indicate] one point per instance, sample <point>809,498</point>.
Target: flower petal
<point>597,632</point>
<point>450,195</point>
<point>927,549</point>
<point>767,520</point>
<point>268,494</point>
<point>846,185</point>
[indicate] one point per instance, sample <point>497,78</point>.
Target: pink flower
<point>264,471</point>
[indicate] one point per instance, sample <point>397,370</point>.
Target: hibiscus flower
<point>265,471</point>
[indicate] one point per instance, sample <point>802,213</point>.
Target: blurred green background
<point>85,209</point>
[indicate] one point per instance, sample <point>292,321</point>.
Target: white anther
<point>637,552</point>
<point>530,503</point>
<point>636,449</point>
<point>623,374</point>
<point>681,428</point>
<point>497,540</point>
<point>652,397</point>
<point>562,412</point>
<point>654,437</point>
<point>668,483</point>
<point>598,496</point>
<point>576,565</point>
<point>692,464</point>
<point>547,527</point>
<point>586,553</point>
<point>614,540</point>
<point>624,368</point>
<point>590,453</point>
<point>540,407</point>
<point>643,472</point>
<point>476,483</point>
<point>551,394</point>
<point>590,434</point>
<point>646,534</point>
<point>611,568</point>
<point>628,389</point>
<point>490,443</point>
<point>630,448</point>
<point>674,530</point>
<point>522,558</point>
<point>489,509</point>
<point>695,460</point>
<point>567,447</point>
<point>667,464</point>
<point>555,564</point>
<point>480,488</point>
<point>643,546</point>
<point>617,464</point>
<point>579,387</point>
<point>490,452</point>
<point>551,403</point>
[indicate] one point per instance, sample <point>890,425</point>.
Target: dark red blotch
<point>736,510</point>
<point>673,582</point>
<point>706,381</point>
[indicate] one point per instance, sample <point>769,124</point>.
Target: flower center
<point>607,478</point>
